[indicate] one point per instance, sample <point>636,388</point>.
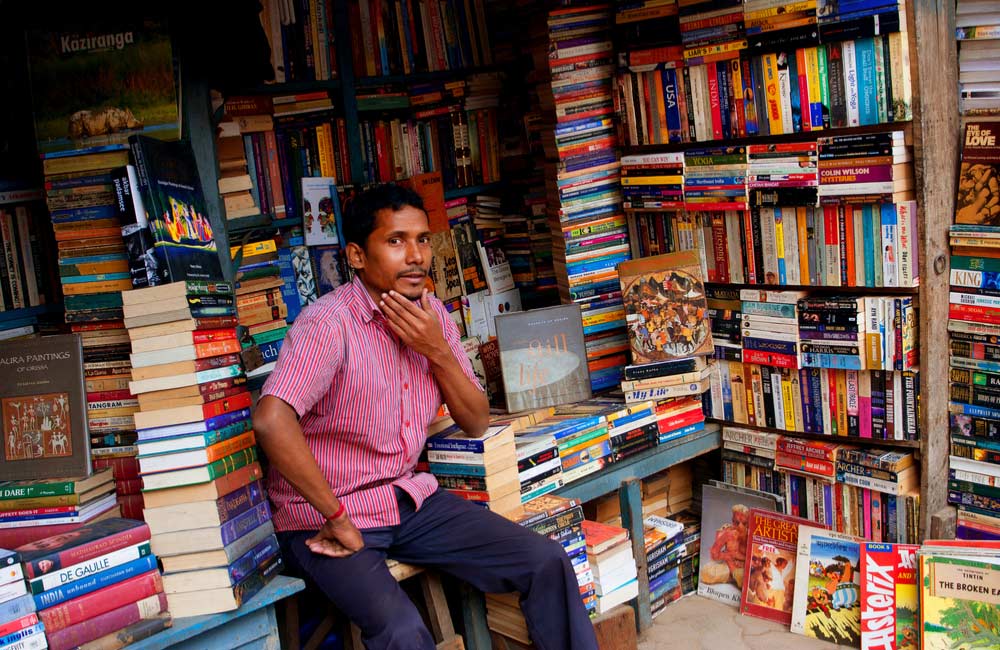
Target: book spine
<point>98,626</point>
<point>98,581</point>
<point>90,567</point>
<point>38,566</point>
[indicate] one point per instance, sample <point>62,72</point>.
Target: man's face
<point>397,255</point>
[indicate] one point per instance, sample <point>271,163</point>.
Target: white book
<point>851,84</point>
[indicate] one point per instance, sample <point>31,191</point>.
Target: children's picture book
<point>320,211</point>
<point>827,586</point>
<point>959,599</point>
<point>44,409</point>
<point>93,85</point>
<point>665,307</point>
<point>542,357</point>
<point>769,578</point>
<point>725,532</point>
<point>978,201</point>
<point>326,263</point>
<point>183,239</point>
<point>889,597</point>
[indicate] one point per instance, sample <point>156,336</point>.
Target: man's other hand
<point>417,327</point>
<point>337,538</point>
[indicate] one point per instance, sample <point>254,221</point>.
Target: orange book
<point>184,353</point>
<point>185,414</point>
<point>601,537</point>
<point>803,235</point>
<point>88,233</point>
<point>103,286</point>
<point>195,457</point>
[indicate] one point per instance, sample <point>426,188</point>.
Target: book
<point>601,537</point>
<point>956,609</point>
<point>979,176</point>
<point>94,83</point>
<point>725,516</point>
<point>43,409</point>
<point>827,594</point>
<point>15,492</point>
<point>184,242</point>
<point>201,473</point>
<point>203,491</point>
<point>542,357</point>
<point>326,268</point>
<point>203,514</point>
<point>889,595</point>
<point>86,542</point>
<point>108,622</point>
<point>665,307</point>
<point>320,211</point>
<point>769,584</point>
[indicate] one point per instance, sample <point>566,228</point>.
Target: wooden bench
<point>435,606</point>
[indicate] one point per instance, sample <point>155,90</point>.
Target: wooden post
<point>936,137</point>
<point>630,497</point>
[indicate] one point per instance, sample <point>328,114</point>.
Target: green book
<point>28,489</point>
<point>200,474</point>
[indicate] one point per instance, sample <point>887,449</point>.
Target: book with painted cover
<point>43,409</point>
<point>320,210</point>
<point>769,581</point>
<point>543,358</point>
<point>889,596</point>
<point>979,177</point>
<point>828,592</point>
<point>725,514</point>
<point>665,307</point>
<point>95,84</point>
<point>184,241</point>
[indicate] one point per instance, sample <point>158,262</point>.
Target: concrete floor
<point>703,624</point>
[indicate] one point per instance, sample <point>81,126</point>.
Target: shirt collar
<point>362,305</point>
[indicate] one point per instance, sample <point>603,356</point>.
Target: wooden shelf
<point>471,190</point>
<point>802,136</point>
<point>644,464</point>
<point>867,291</point>
<point>847,440</point>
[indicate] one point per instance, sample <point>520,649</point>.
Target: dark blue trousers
<point>467,541</point>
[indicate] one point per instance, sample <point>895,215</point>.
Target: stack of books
<point>539,463</point>
<point>301,41</point>
<point>583,180</point>
<point>561,520</point>
<point>589,449</point>
<point>653,187</point>
<point>669,560</point>
<point>19,624</point>
<point>29,256</point>
<point>32,510</point>
<point>748,460</point>
<point>103,584</point>
<point>848,173</point>
<point>209,519</point>
<point>482,469</point>
<point>725,311</point>
<point>260,302</point>
<point>978,31</point>
<point>128,482</point>
<point>609,552</point>
<point>769,330</point>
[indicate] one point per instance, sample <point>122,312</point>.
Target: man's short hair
<point>359,217</point>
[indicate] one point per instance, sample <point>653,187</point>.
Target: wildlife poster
<point>827,602</point>
<point>94,85</point>
<point>44,410</point>
<point>959,601</point>
<point>665,307</point>
<point>725,532</point>
<point>769,581</point>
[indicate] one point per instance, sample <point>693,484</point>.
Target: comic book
<point>769,582</point>
<point>888,596</point>
<point>827,589</point>
<point>960,599</point>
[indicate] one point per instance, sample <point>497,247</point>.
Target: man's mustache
<point>412,271</point>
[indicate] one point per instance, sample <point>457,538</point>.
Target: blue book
<point>81,181</point>
<point>17,607</point>
<point>37,628</point>
<point>864,52</point>
<point>259,556</point>
<point>211,424</point>
<point>457,469</point>
<point>682,432</point>
<point>84,214</point>
<point>94,582</point>
<point>869,244</point>
<point>454,439</point>
<point>99,277</point>
<point>90,259</point>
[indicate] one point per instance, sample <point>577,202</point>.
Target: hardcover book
<point>979,176</point>
<point>542,357</point>
<point>84,543</point>
<point>665,307</point>
<point>44,409</point>
<point>184,241</point>
<point>93,85</point>
<point>320,211</point>
<point>769,582</point>
<point>725,520</point>
<point>827,595</point>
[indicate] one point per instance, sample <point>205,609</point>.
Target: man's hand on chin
<point>416,326</point>
<point>337,538</point>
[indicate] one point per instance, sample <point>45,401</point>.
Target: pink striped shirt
<point>364,401</point>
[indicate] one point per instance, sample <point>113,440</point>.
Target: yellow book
<point>803,235</point>
<point>771,93</point>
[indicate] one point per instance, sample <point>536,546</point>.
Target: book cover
<point>665,307</point>
<point>542,357</point>
<point>305,278</point>
<point>959,607</point>
<point>184,241</point>
<point>93,85</point>
<point>827,595</point>
<point>82,544</point>
<point>979,176</point>
<point>43,408</point>
<point>445,271</point>
<point>725,521</point>
<point>320,211</point>
<point>769,584</point>
<point>464,237</point>
<point>326,268</point>
<point>889,599</point>
<point>496,268</point>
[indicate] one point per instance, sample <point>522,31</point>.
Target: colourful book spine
<point>93,583</point>
<point>108,622</point>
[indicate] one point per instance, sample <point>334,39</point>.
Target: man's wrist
<point>341,511</point>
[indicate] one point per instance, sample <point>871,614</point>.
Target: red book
<point>719,249</point>
<point>128,486</point>
<point>122,469</point>
<point>763,358</point>
<point>98,602</point>
<point>131,505</point>
<point>108,395</point>
<point>810,448</point>
<point>27,512</point>
<point>680,421</point>
<point>18,624</point>
<point>89,541</point>
<point>181,415</point>
<point>769,574</point>
<point>601,537</point>
<point>805,464</point>
<point>18,537</point>
<point>106,623</point>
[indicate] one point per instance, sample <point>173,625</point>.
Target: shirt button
<point>407,423</point>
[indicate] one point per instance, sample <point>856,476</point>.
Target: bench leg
<point>288,623</point>
<point>438,613</point>
<point>319,634</point>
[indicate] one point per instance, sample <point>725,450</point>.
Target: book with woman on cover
<point>44,409</point>
<point>665,307</point>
